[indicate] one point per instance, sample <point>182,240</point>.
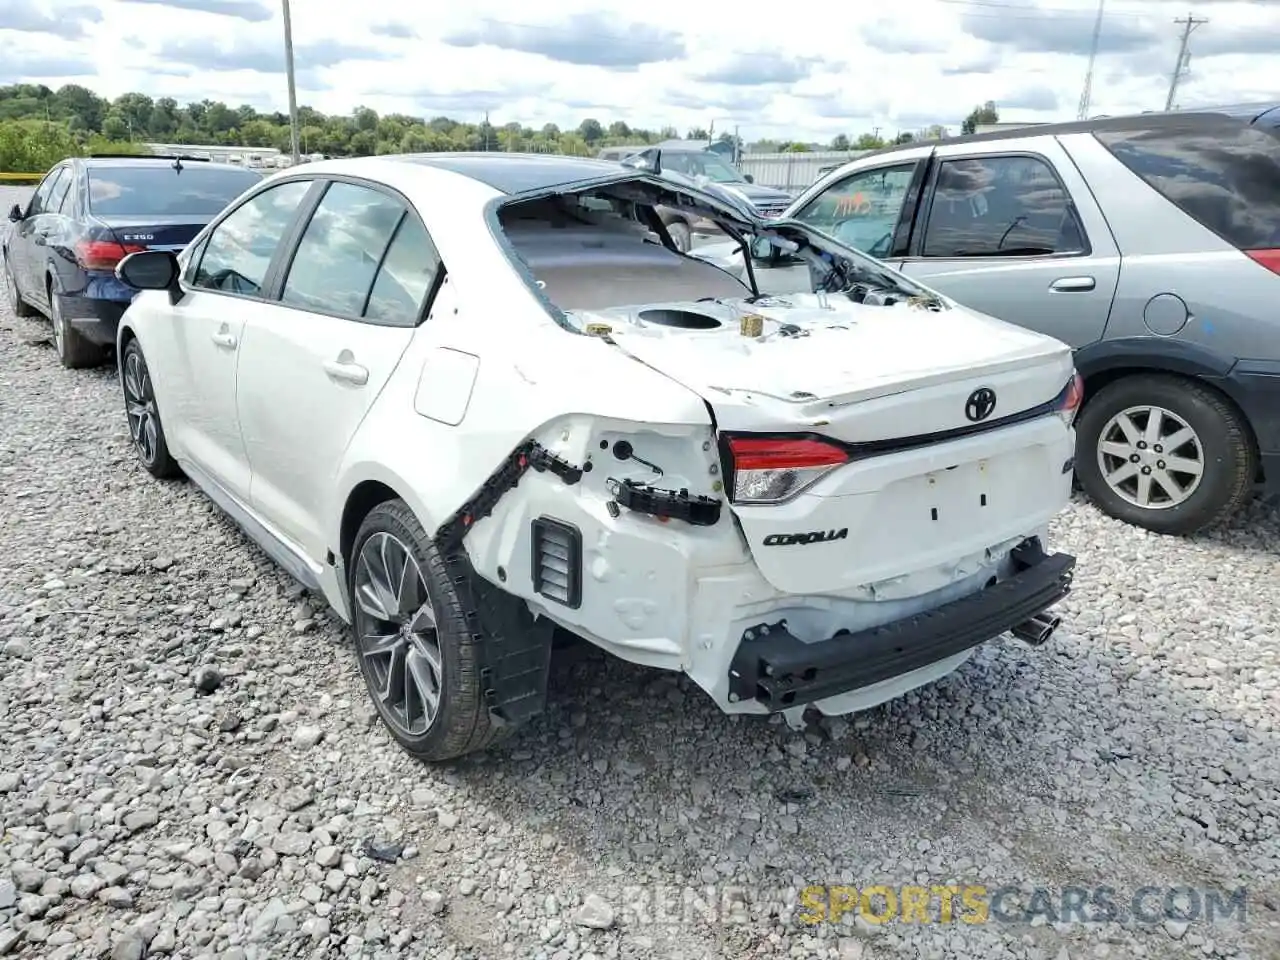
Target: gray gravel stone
<point>1140,747</point>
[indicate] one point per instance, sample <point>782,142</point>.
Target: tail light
<point>774,469</point>
<point>103,254</point>
<point>1067,403</point>
<point>1266,258</point>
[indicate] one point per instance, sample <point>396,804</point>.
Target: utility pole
<point>293,90</point>
<point>1082,113</point>
<point>1180,67</point>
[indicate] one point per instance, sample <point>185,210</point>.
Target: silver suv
<point>1151,244</point>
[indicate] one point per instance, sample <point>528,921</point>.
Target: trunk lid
<point>153,232</point>
<point>930,474</point>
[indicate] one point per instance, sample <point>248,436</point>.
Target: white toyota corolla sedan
<point>473,398</point>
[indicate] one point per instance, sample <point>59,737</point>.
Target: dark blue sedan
<point>84,217</point>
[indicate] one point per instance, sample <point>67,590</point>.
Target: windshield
<point>160,190</point>
<point>702,164</point>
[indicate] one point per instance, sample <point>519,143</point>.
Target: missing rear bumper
<point>779,671</point>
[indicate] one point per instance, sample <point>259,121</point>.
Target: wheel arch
<point>365,489</point>
<point>1108,361</point>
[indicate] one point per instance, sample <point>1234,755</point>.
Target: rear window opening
<point>160,190</point>
<point>595,252</point>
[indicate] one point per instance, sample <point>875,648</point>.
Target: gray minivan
<point>1150,244</point>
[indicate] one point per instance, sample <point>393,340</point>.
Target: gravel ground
<point>190,769</point>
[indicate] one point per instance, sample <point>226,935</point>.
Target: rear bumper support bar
<point>779,671</point>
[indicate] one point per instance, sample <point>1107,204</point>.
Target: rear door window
<point>1000,206</point>
<point>58,198</point>
<point>1223,174</point>
<point>40,199</point>
<point>158,190</point>
<point>406,277</point>
<point>341,250</point>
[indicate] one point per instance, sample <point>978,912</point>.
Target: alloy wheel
<point>59,324</point>
<point>396,635</point>
<point>12,286</point>
<point>1151,457</point>
<point>140,407</point>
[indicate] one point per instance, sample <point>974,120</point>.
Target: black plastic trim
<point>777,670</point>
<point>1156,353</point>
<point>538,529</point>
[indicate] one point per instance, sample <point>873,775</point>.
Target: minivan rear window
<point>161,191</point>
<point>1222,173</point>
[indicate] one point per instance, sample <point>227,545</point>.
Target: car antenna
<point>177,163</point>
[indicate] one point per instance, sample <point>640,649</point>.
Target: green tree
<point>987,113</point>
<point>841,142</point>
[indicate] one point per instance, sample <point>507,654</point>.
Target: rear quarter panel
<point>1178,280</point>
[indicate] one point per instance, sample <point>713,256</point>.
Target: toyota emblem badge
<point>980,404</point>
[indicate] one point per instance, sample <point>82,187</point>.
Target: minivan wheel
<point>418,657</point>
<point>146,432</point>
<point>1165,453</point>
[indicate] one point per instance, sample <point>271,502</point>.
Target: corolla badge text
<point>804,539</point>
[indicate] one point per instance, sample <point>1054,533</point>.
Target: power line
<point>1180,67</point>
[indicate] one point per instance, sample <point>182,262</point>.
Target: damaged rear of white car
<point>863,499</point>
<point>819,501</point>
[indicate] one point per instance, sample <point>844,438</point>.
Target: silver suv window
<point>1224,175</point>
<point>1000,206</point>
<point>862,209</point>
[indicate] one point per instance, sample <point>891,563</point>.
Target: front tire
<point>418,656</point>
<point>1165,453</point>
<point>19,306</point>
<point>146,432</point>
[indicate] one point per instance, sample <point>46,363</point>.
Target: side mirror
<point>749,178</point>
<point>647,161</point>
<point>15,213</point>
<point>151,270</point>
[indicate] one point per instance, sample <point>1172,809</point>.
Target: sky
<point>766,69</point>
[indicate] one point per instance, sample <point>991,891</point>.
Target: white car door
<point>312,365</point>
<point>194,361</point>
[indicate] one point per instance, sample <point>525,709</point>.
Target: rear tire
<point>73,349</point>
<point>413,642</point>
<point>19,306</point>
<point>1194,468</point>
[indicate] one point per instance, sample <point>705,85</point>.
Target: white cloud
<point>772,71</point>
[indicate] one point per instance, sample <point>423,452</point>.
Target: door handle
<point>1073,284</point>
<point>224,340</point>
<point>349,372</point>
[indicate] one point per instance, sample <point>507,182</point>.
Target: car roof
<point>1178,119</point>
<point>513,173</point>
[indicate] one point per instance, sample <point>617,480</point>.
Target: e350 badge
<point>804,539</point>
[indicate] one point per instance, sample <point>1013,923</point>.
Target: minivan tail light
<point>103,254</point>
<point>775,469</point>
<point>1067,403</point>
<point>1266,258</point>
